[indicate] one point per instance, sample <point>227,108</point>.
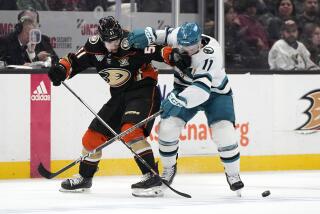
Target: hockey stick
<point>124,143</point>
<point>47,174</point>
<point>115,134</point>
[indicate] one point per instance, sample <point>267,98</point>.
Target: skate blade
<point>148,193</point>
<point>238,192</point>
<point>81,190</point>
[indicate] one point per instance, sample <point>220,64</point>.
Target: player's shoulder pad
<point>94,39</point>
<point>208,50</point>
<point>124,44</point>
<point>94,44</point>
<point>210,44</point>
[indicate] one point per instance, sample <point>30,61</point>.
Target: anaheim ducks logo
<point>115,77</point>
<point>313,111</point>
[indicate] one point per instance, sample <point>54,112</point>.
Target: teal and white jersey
<point>206,74</point>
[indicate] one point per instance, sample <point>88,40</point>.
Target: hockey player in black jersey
<point>134,97</point>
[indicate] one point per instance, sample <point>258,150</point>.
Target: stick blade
<point>44,172</point>
<point>174,190</point>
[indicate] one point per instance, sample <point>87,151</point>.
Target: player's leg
<point>139,105</point>
<point>169,132</point>
<point>95,136</point>
<point>221,117</point>
<point>87,167</point>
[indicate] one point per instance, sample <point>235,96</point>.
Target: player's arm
<point>193,95</point>
<point>141,38</point>
<point>169,55</point>
<point>200,90</point>
<point>70,65</point>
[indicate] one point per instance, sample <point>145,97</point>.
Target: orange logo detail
<point>313,111</point>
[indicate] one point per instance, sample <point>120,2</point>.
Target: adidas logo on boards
<point>41,93</point>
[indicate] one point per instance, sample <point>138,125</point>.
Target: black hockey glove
<point>57,74</point>
<point>180,59</point>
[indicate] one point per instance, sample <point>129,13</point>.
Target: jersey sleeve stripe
<point>223,84</point>
<point>202,86</point>
<point>198,76</point>
<point>176,76</point>
<point>205,81</point>
<point>177,85</point>
<point>178,82</point>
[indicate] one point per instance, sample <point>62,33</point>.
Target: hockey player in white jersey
<point>203,86</point>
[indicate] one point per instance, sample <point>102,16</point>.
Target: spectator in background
<point>309,16</point>
<point>90,5</point>
<point>230,2</point>
<point>8,5</point>
<point>312,42</point>
<point>288,53</point>
<point>44,48</point>
<point>56,5</point>
<point>299,6</point>
<point>237,52</point>
<point>16,48</point>
<point>154,6</point>
<point>209,23</point>
<point>164,6</point>
<point>253,32</point>
<point>285,9</point>
<point>265,11</point>
<point>36,4</point>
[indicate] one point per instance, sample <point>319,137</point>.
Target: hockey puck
<point>266,193</point>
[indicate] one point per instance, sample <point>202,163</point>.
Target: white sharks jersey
<point>206,74</point>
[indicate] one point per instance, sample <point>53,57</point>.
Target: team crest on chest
<point>115,77</point>
<point>124,61</point>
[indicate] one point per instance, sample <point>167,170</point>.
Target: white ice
<point>291,192</point>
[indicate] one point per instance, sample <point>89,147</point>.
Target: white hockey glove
<point>172,105</point>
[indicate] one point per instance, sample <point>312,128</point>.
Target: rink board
<point>269,110</point>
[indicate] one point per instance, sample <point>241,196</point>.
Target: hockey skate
<point>235,183</point>
<point>149,186</point>
<point>169,173</point>
<point>76,184</point>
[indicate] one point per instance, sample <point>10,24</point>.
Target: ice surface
<point>291,192</point>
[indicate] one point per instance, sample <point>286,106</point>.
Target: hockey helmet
<point>189,34</point>
<point>109,29</point>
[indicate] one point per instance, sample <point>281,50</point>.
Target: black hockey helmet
<point>109,29</point>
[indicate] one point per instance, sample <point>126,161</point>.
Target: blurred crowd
<point>187,6</point>
<point>276,34</point>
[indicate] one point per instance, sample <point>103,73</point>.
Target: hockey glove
<point>57,74</point>
<point>172,105</point>
<point>180,59</point>
<point>141,38</point>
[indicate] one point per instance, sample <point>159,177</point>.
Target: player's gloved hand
<point>141,38</point>
<point>180,59</point>
<point>57,74</point>
<point>172,105</point>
